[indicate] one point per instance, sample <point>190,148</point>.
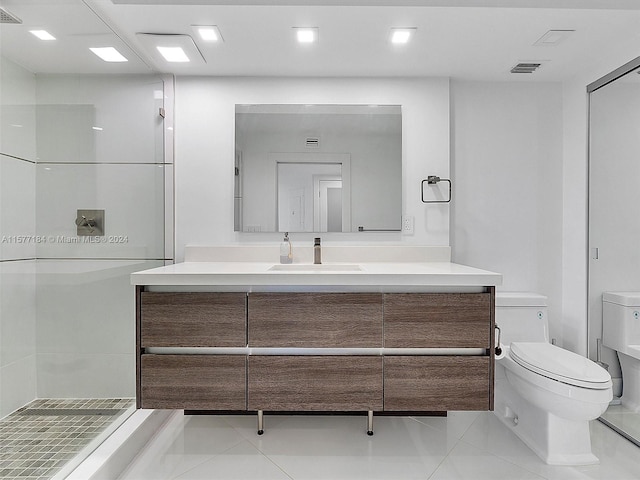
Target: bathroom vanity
<point>375,337</point>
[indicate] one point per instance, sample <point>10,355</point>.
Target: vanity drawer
<point>200,319</point>
<point>313,383</point>
<point>315,320</point>
<point>193,382</point>
<point>432,320</point>
<point>437,383</point>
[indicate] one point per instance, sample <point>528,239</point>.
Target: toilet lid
<point>560,364</point>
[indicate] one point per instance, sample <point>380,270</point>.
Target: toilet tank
<point>621,320</point>
<point>522,317</point>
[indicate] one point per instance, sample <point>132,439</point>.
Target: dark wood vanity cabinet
<point>439,382</point>
<point>437,320</point>
<point>315,383</point>
<point>185,319</point>
<point>191,381</point>
<point>315,320</point>
<point>390,376</point>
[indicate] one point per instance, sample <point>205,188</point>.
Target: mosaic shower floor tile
<point>38,440</point>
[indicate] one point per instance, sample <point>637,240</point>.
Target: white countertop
<point>254,276</point>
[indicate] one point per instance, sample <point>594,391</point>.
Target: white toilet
<point>621,332</point>
<point>546,395</point>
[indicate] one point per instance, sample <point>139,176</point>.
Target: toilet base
<point>630,367</point>
<point>557,441</point>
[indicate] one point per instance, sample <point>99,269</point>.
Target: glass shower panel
<point>131,197</point>
<point>614,221</point>
<point>100,198</point>
<point>86,328</point>
<point>99,149</point>
<point>110,119</point>
<point>17,226</point>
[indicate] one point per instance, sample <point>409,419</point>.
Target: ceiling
<point>453,38</point>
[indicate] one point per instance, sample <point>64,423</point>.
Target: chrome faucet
<point>317,252</point>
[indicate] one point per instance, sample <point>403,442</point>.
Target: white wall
<point>507,173</point>
<point>205,110</point>
<point>510,212</point>
<point>17,218</point>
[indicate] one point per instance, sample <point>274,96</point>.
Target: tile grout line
<point>259,450</point>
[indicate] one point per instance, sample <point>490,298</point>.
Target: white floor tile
<point>489,434</point>
<point>247,425</point>
<point>469,462</point>
<point>184,443</point>
<point>455,424</point>
<point>464,445</point>
<point>337,447</point>
<point>241,462</point>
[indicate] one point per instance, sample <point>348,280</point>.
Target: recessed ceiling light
<point>306,34</point>
<point>553,38</point>
<point>42,34</point>
<point>400,36</point>
<point>208,33</point>
<point>109,54</point>
<point>178,49</point>
<point>173,54</point>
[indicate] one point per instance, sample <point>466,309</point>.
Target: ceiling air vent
<point>6,17</point>
<point>525,67</point>
<point>312,142</point>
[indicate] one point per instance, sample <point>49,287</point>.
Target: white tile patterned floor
<point>464,445</point>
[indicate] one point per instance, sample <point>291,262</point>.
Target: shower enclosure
<point>614,216</point>
<point>85,199</point>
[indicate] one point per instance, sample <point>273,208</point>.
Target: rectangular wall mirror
<point>318,168</point>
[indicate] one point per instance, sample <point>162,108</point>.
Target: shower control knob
<point>85,222</point>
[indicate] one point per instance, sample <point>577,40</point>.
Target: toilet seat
<point>560,364</point>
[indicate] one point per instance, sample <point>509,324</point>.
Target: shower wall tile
<point>109,119</point>
<point>17,334</point>
<point>17,311</point>
<point>17,384</point>
<point>86,327</point>
<point>18,127</point>
<point>76,375</point>
<point>17,111</point>
<point>132,197</point>
<point>17,208</point>
<point>66,133</point>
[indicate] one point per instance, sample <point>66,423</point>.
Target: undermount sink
<point>300,267</point>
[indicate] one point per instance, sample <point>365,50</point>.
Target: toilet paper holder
<point>498,348</point>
